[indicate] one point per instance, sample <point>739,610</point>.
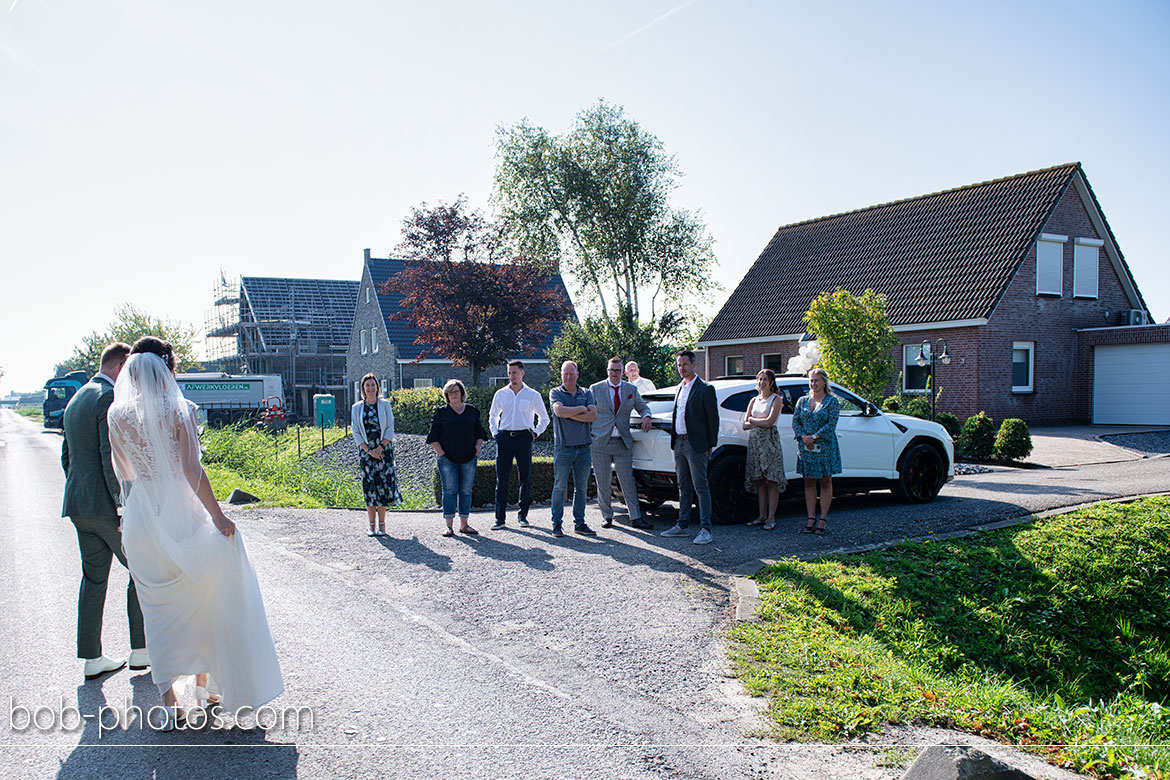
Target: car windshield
<point>659,402</point>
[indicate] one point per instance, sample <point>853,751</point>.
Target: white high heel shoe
<point>173,718</point>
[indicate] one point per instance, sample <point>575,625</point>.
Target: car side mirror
<point>870,410</point>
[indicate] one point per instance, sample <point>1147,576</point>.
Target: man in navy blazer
<point>693,435</point>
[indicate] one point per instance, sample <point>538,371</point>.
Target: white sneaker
<point>704,537</point>
<point>675,530</point>
<point>102,666</point>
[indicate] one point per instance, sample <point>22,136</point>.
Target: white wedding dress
<point>200,599</point>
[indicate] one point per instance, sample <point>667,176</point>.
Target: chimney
<point>367,251</point>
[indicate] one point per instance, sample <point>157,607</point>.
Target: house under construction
<point>297,328</point>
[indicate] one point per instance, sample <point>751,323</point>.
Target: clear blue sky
<point>147,144</point>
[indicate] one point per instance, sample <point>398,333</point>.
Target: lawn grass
<point>1049,634</point>
<point>31,412</point>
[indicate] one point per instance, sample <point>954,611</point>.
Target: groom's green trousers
<point>100,540</point>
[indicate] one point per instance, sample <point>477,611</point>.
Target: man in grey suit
<point>694,435</point>
<point>91,502</point>
<point>612,443</point>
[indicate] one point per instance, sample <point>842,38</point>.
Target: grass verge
<point>31,412</point>
<point>1051,635</point>
<point>283,472</point>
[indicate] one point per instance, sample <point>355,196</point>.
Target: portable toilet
<point>324,410</point>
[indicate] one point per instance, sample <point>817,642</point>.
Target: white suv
<point>912,457</point>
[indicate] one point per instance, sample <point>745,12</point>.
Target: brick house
<point>387,346</point>
<point>1021,276</point>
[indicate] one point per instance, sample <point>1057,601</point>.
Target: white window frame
<point>727,365</point>
<point>1030,346</point>
<point>424,381</point>
<point>908,361</point>
<point>365,343</point>
<point>1049,253</point>
<point>367,295</point>
<point>374,340</point>
<point>357,391</point>
<point>1086,267</point>
<point>385,393</point>
<point>499,381</point>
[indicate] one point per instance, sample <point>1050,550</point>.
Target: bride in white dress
<point>200,599</point>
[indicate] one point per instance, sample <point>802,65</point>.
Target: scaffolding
<point>297,328</point>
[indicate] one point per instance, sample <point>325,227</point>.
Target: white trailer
<point>225,398</point>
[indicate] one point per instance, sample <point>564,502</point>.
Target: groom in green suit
<point>91,502</point>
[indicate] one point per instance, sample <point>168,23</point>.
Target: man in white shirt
<point>515,407</point>
<point>635,378</point>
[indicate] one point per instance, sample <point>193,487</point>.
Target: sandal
<point>371,531</point>
<point>768,526</point>
<point>469,531</point>
<point>757,521</point>
<point>820,529</point>
<point>381,529</point>
<point>810,526</point>
<point>449,532</point>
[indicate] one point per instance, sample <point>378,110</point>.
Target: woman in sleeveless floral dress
<point>764,474</point>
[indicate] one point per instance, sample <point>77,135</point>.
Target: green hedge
<point>977,437</point>
<point>483,491</point>
<point>1013,442</point>
<point>414,407</point>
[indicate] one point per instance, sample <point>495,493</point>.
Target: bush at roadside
<point>414,407</point>
<point>950,422</point>
<point>977,437</point>
<point>1013,442</point>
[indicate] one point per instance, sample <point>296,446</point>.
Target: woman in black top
<point>456,435</point>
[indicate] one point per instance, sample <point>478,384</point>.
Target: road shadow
<point>118,742</point>
<point>414,552</point>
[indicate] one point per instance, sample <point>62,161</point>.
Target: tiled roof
<point>321,309</point>
<point>939,257</point>
<point>401,332</point>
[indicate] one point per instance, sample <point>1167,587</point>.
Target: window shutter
<point>1049,267</point>
<point>1086,265</point>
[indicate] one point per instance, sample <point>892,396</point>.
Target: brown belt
<point>681,436</point>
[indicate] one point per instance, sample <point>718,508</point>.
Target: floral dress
<point>379,478</point>
<point>765,460</point>
<point>823,424</point>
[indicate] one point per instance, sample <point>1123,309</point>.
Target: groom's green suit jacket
<point>91,487</point>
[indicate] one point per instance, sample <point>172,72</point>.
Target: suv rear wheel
<point>730,503</point>
<point>921,476</point>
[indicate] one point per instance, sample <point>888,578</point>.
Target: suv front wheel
<point>921,476</point>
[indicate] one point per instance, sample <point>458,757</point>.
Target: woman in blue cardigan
<point>372,422</point>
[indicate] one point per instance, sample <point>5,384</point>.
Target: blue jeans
<point>690,467</point>
<point>457,479</point>
<point>577,460</point>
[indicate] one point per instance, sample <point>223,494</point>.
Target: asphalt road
<point>512,654</point>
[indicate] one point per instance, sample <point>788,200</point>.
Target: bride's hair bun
<point>155,346</point>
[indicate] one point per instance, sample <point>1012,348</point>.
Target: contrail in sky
<point>14,2</point>
<point>644,27</point>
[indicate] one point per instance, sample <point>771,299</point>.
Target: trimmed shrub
<point>1013,442</point>
<point>414,407</point>
<point>977,437</point>
<point>948,421</point>
<point>892,404</point>
<point>483,491</point>
<point>918,406</point>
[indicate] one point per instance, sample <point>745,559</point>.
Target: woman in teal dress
<point>814,422</point>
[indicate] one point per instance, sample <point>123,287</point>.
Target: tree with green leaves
<point>129,325</point>
<point>595,202</point>
<point>590,344</point>
<point>855,338</point>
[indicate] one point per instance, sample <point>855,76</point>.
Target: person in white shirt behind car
<point>764,473</point>
<point>635,378</point>
<point>516,418</point>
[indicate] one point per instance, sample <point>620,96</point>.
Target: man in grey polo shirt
<point>573,412</point>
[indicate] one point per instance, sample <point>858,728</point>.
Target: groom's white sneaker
<point>139,660</point>
<point>98,667</point>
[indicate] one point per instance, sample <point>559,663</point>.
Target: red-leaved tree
<point>473,301</point>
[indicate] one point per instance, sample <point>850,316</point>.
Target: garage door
<point>1131,384</point>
